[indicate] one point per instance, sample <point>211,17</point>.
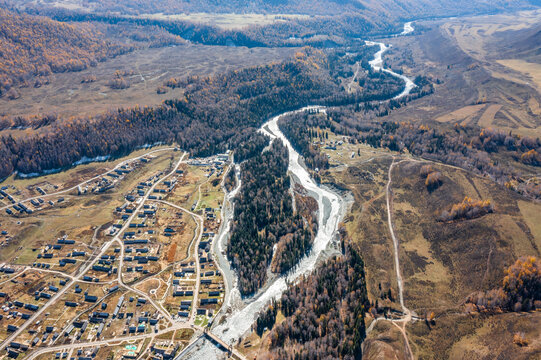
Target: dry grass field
<point>530,69</point>
<point>441,263</point>
<point>227,21</point>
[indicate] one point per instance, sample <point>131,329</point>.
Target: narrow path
<point>357,69</point>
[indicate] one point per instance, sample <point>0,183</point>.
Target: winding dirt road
<point>400,324</point>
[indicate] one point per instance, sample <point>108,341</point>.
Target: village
<point>148,269</point>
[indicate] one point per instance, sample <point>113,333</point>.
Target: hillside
<point>524,45</point>
<point>36,46</point>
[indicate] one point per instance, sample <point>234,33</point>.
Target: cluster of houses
<point>112,178</point>
<point>138,251</point>
<point>166,186</point>
<point>209,291</point>
<point>164,350</point>
<point>5,238</point>
<point>26,207</point>
<point>5,195</point>
<point>101,317</point>
<point>13,310</point>
<point>215,164</point>
<point>58,251</point>
<point>135,196</point>
<point>182,290</point>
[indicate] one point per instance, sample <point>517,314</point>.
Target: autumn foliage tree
<point>118,82</point>
<point>520,291</point>
<point>522,284</point>
<point>324,313</point>
<point>468,209</point>
<point>433,179</point>
<point>531,157</point>
<point>35,46</point>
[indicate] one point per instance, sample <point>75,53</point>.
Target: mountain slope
<point>38,46</point>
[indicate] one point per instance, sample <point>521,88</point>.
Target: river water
<point>408,29</point>
<point>377,64</point>
<point>241,314</point>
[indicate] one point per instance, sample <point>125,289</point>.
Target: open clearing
<point>67,96</point>
<point>227,21</point>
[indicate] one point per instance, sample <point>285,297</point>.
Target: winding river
<point>377,64</point>
<point>240,314</point>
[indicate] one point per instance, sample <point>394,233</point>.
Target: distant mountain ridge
<point>395,8</point>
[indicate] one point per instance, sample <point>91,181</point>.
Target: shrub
<point>118,82</point>
<point>433,180</point>
<point>425,170</point>
<point>13,94</point>
<point>88,79</point>
<point>520,340</point>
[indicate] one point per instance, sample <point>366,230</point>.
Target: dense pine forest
<point>264,217</point>
<point>250,144</point>
<point>302,139</point>
<point>324,313</point>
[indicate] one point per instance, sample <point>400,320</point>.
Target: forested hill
<point>37,46</point>
<point>214,115</point>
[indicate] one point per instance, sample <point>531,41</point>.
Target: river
<point>408,28</point>
<point>241,314</point>
<point>377,64</point>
